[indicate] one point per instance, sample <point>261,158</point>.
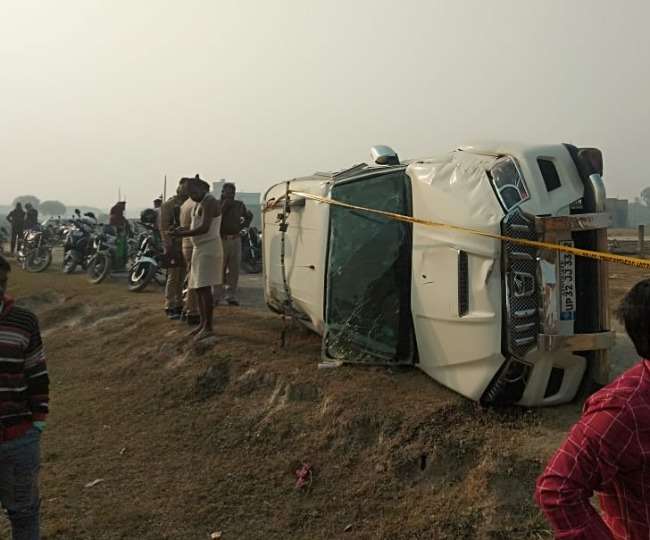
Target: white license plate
<point>567,284</point>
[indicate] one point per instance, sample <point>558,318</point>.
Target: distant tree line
<point>24,199</point>
<point>55,208</point>
<point>47,208</point>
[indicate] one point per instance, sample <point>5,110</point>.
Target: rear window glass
<point>549,173</point>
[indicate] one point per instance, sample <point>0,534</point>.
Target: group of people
<point>201,240</point>
<point>20,221</point>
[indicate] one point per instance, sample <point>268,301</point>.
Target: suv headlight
<point>508,183</point>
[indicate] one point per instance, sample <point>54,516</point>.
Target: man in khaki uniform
<point>169,221</point>
<point>191,314</point>
<point>234,217</point>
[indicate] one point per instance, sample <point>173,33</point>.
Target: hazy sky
<point>96,94</point>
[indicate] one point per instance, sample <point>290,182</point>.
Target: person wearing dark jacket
<point>17,219</point>
<point>122,227</point>
<point>235,217</point>
<point>169,220</point>
<point>31,217</point>
<point>24,398</point>
<point>117,218</point>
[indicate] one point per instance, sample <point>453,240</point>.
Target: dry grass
<point>193,441</point>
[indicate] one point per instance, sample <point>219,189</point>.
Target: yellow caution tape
<point>590,254</point>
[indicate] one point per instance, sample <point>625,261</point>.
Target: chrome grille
<point>520,280</point>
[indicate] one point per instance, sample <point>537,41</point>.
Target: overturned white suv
<point>490,319</point>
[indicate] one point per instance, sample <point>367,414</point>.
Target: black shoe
<point>174,314</point>
<point>233,302</point>
<point>193,320</point>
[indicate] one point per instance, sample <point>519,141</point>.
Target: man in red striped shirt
<point>24,397</point>
<point>608,451</point>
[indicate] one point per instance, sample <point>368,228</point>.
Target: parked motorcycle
<point>148,263</point>
<point>132,248</point>
<point>251,251</point>
<point>35,250</point>
<point>77,245</point>
<point>104,247</point>
<point>4,238</point>
<point>57,228</point>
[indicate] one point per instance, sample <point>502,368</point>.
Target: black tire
<point>99,267</point>
<point>140,276</point>
<point>38,260</point>
<point>69,263</point>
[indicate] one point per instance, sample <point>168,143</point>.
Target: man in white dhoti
<point>207,256</point>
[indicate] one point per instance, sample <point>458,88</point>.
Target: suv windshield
<point>368,315</point>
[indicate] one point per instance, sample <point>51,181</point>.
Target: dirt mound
<point>437,464</point>
<point>190,440</point>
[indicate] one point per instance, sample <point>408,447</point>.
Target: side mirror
<point>592,159</point>
<point>384,155</point>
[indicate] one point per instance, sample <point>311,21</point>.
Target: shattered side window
<point>368,315</point>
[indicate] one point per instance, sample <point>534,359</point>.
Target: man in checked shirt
<point>608,450</point>
<point>24,397</point>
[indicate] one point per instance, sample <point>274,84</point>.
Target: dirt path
<point>189,441</point>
